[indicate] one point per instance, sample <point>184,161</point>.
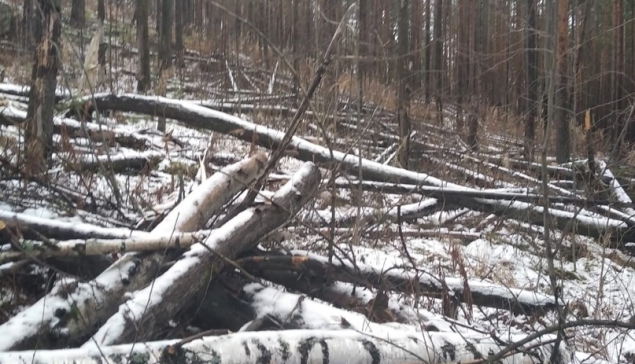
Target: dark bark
<point>310,268</point>
<point>101,10</point>
<point>532,82</point>
<point>561,112</point>
<point>428,55</point>
<point>27,25</point>
<point>143,44</point>
<point>438,58</point>
<point>39,128</point>
<point>178,32</point>
<point>78,13</point>
<point>404,87</point>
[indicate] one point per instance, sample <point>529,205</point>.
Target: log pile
<point>195,288</point>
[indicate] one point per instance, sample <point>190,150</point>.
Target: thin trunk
<point>532,82</point>
<point>143,72</point>
<point>27,25</point>
<point>165,52</point>
<point>403,91</point>
<point>39,131</point>
<point>561,115</point>
<point>178,32</point>
<point>78,13</point>
<point>428,52</point>
<point>618,75</point>
<point>101,10</point>
<point>438,57</point>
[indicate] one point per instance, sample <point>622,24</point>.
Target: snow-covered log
<point>10,115</point>
<point>69,313</point>
<point>201,117</point>
<point>66,230</point>
<point>306,264</point>
<point>143,314</point>
<point>299,347</point>
<point>88,247</point>
<point>456,194</point>
<point>117,162</point>
<point>371,215</point>
<point>196,208</point>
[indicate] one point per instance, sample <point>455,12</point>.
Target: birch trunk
<point>291,347</point>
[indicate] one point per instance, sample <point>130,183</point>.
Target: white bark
<point>199,206</point>
<point>77,248</point>
<point>294,346</point>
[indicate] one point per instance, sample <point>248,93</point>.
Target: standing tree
<point>39,129</point>
<point>438,57</point>
<point>165,51</point>
<point>179,23</point>
<point>532,81</point>
<point>143,71</point>
<point>101,10</point>
<point>78,13</point>
<point>561,115</point>
<point>404,84</point>
<point>27,25</point>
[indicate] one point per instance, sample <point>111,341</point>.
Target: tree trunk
<point>617,87</point>
<point>428,56</point>
<point>143,44</point>
<point>532,82</point>
<point>165,52</point>
<point>403,90</point>
<point>178,32</point>
<point>561,112</point>
<point>101,10</point>
<point>78,13</point>
<point>39,128</point>
<point>27,25</point>
<point>438,58</point>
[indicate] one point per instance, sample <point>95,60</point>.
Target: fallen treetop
<point>297,347</point>
<point>201,117</point>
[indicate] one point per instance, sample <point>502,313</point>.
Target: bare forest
<point>317,181</point>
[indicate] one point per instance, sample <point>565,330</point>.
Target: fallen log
<point>66,230</point>
<point>302,347</point>
<point>201,117</point>
<point>68,314</point>
<point>118,162</point>
<point>456,194</point>
<point>485,294</point>
<point>370,216</point>
<point>89,247</point>
<point>95,132</point>
<point>139,317</point>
